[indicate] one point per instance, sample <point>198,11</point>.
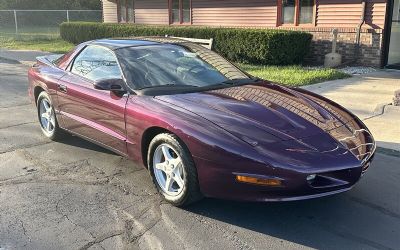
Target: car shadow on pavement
<point>324,223</point>
<point>365,217</point>
<point>76,141</point>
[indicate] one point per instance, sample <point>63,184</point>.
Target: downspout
<point>358,35</point>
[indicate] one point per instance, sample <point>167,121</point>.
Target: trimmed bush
<point>263,46</point>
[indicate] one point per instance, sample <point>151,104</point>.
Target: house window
<point>297,12</point>
<point>126,11</point>
<point>180,11</point>
<point>306,11</point>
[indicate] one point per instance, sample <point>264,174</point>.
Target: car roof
<point>117,43</point>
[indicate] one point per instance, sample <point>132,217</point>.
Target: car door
<point>95,114</point>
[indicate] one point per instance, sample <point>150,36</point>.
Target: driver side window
<point>95,63</point>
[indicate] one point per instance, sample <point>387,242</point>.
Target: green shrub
<point>263,46</point>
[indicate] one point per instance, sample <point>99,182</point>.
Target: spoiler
<point>48,59</point>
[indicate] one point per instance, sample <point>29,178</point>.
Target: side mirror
<point>115,85</point>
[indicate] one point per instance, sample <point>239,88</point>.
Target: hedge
<point>262,46</point>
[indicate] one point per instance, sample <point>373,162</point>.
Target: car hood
<point>260,112</point>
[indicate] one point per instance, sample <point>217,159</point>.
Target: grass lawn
<point>293,75</point>
<point>54,45</point>
<point>287,75</point>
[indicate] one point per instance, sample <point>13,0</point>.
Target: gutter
<point>358,35</point>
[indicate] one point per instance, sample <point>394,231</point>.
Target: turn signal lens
<point>259,181</point>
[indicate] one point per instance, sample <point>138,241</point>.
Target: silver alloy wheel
<point>168,170</point>
<point>46,115</point>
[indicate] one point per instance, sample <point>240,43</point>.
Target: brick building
<point>369,30</point>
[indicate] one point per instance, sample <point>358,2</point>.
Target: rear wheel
<point>173,170</point>
<point>47,117</point>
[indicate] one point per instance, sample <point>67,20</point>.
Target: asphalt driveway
<point>75,195</point>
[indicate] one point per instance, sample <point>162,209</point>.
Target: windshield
<point>175,65</point>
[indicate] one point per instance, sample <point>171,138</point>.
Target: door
<point>394,42</point>
<point>95,114</point>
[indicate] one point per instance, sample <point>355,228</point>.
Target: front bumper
<point>219,182</point>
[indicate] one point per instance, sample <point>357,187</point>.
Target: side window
<point>96,63</point>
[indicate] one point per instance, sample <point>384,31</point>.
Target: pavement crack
<point>379,110</point>
<point>12,179</point>
<point>102,238</point>
<point>136,237</point>
<point>57,181</point>
<point>349,236</point>
<point>17,105</point>
<point>134,223</point>
<point>65,215</point>
<point>11,149</point>
<point>375,207</point>
<point>234,239</point>
<point>24,230</point>
<point>16,125</point>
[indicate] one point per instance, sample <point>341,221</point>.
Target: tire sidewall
<point>183,154</point>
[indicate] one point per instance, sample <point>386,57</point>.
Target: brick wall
<point>370,52</point>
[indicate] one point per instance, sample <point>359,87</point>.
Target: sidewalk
<point>368,96</point>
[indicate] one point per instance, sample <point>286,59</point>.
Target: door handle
<point>62,88</point>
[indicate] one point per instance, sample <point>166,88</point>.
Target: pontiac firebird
<point>200,125</point>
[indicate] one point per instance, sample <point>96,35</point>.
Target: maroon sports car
<point>199,124</point>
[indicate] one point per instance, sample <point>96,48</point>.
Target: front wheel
<point>47,117</point>
<point>173,170</point>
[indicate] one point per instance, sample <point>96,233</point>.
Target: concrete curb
<point>13,61</point>
<point>387,151</point>
<point>25,57</point>
<point>9,60</point>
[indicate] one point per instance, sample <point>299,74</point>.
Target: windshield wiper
<point>257,79</point>
<point>239,81</point>
<point>169,85</point>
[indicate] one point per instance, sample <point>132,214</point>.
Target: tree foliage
<point>50,4</point>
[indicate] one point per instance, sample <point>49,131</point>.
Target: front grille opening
<point>365,167</point>
<point>323,181</point>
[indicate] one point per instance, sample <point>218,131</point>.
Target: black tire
<point>57,133</point>
<point>191,191</point>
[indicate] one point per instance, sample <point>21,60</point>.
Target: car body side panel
<point>96,114</point>
<point>202,139</point>
<point>46,77</point>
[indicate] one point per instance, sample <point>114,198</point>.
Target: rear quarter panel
<point>44,76</point>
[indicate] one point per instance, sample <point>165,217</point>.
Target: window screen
<point>288,11</point>
<point>306,11</point>
<point>175,11</point>
<point>122,11</point>
<point>186,11</point>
